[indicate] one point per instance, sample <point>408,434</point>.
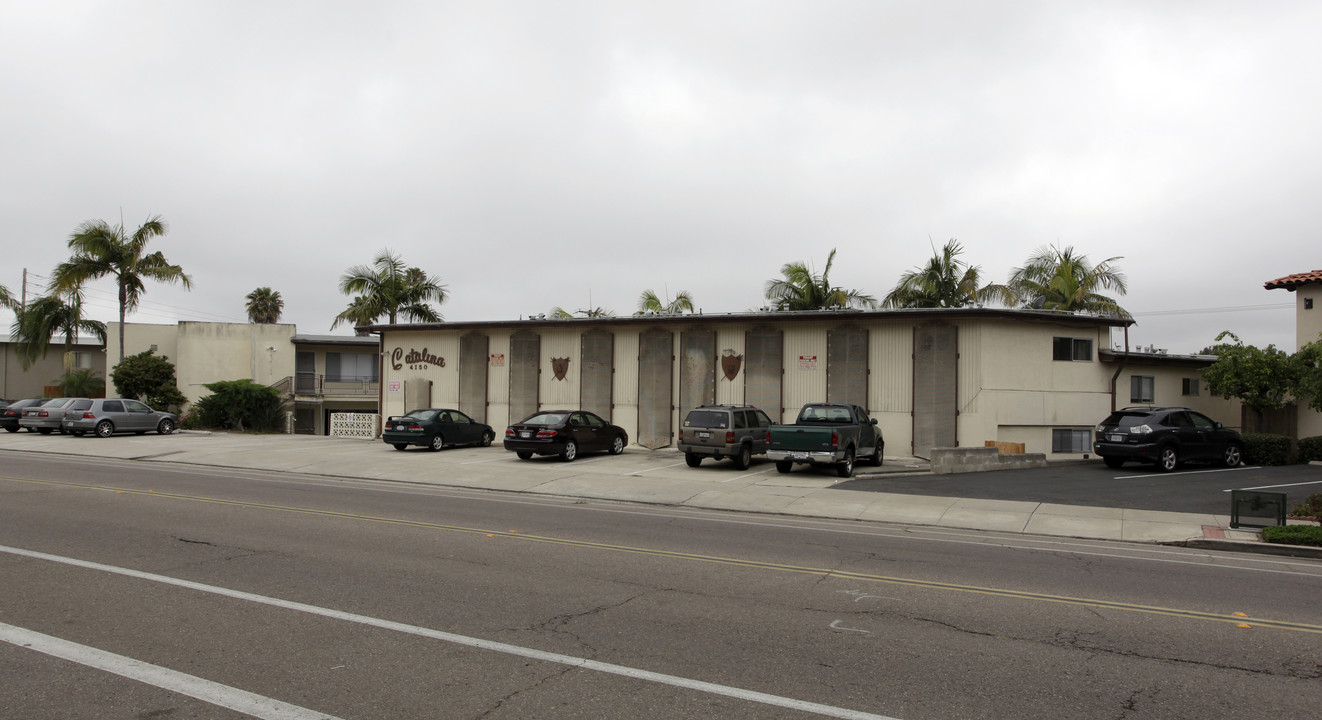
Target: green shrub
<point>240,405</point>
<point>1266,449</point>
<point>1294,535</point>
<point>1310,449</point>
<point>148,378</point>
<point>1310,507</point>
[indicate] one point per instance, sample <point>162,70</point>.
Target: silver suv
<point>737,432</point>
<point>107,416</point>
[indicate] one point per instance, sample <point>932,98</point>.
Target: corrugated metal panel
<point>891,360</point>
<point>655,373</point>
<point>560,348</point>
<point>697,369</point>
<point>847,365</point>
<point>525,350</point>
<point>473,375</point>
<point>935,378</point>
<point>730,353</point>
<point>597,371</point>
<point>764,370</point>
<point>805,366</point>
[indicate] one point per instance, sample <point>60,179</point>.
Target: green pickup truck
<point>826,434</point>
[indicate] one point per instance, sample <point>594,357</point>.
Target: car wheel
<point>1168,459</point>
<point>1113,462</point>
<point>846,469</point>
<point>166,427</point>
<point>692,459</point>
<point>1232,456</point>
<point>487,437</point>
<point>105,428</point>
<point>11,429</point>
<point>875,460</point>
<point>399,446</point>
<point>617,445</point>
<point>744,458</point>
<point>524,454</point>
<point>437,442</point>
<point>570,452</point>
<point>783,466</point>
<point>44,431</point>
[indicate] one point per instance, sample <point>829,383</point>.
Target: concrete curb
<point>1249,546</point>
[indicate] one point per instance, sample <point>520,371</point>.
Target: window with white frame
<point>1070,440</point>
<point>1190,386</point>
<point>82,361</point>
<point>1142,389</point>
<point>351,367</point>
<point>1068,349</point>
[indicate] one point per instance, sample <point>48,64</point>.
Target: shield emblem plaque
<point>560,366</point>
<point>730,364</point>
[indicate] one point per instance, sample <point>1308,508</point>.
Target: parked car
<point>434,428</point>
<point>45,418</point>
<point>107,416</point>
<point>827,434</point>
<point>1166,437</point>
<point>565,433</point>
<point>12,413</point>
<point>737,432</point>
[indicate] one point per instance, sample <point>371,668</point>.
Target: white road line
<point>479,643</point>
<point>1266,487</point>
<point>478,462</point>
<point>740,477</point>
<point>1188,472</point>
<point>663,467</point>
<point>258,706</point>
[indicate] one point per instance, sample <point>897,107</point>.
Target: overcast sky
<point>535,154</point>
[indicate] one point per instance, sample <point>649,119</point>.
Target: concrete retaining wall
<point>948,461</point>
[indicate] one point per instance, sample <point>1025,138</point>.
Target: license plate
<point>1115,438</point>
<point>525,434</point>
<point>704,435</point>
<point>798,456</point>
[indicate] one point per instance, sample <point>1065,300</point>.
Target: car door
<point>762,422</point>
<point>867,432</point>
<point>1210,441</point>
<point>140,417</point>
<point>590,432</point>
<point>1192,446</point>
<point>465,429</point>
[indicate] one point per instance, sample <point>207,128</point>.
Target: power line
<point>1209,311</point>
<point>158,310</point>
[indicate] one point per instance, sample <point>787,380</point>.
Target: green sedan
<point>435,428</point>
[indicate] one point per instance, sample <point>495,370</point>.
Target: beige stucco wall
<point>139,337</point>
<point>17,383</point>
<point>1308,322</point>
<point>211,352</point>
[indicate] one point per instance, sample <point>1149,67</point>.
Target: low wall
<point>948,461</point>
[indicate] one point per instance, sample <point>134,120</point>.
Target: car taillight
<point>681,434</point>
<point>43,413</point>
<point>415,427</point>
<point>547,433</point>
<point>768,436</point>
<point>88,416</point>
<point>835,439</point>
<point>729,438</point>
<point>1140,430</point>
<point>509,432</point>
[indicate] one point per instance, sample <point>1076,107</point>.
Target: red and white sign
<point>807,362</point>
<point>394,386</point>
<point>497,359</point>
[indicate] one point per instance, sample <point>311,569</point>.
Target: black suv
<point>1165,437</point>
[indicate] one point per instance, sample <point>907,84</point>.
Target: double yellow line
<point>1238,619</point>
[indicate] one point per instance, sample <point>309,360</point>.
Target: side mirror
<point>874,421</point>
<point>1216,425</point>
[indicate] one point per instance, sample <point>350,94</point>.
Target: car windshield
<point>1124,419</point>
<point>707,419</point>
<point>545,419</point>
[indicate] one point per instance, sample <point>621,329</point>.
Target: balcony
<point>321,386</point>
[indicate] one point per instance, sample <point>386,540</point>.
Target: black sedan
<point>565,433</point>
<point>10,414</point>
<point>434,428</point>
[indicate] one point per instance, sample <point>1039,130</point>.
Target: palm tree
<point>944,282</point>
<point>45,317</point>
<point>1055,279</point>
<point>651,302</point>
<point>388,288</point>
<point>265,306</point>
<point>560,313</point>
<point>802,289</point>
<point>101,250</point>
<point>6,299</point>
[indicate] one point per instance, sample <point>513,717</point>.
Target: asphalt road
<point>1193,488</point>
<point>280,595</point>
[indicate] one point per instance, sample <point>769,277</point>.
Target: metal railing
<point>320,385</point>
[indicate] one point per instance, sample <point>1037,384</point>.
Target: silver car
<point>45,418</point>
<point>107,416</point>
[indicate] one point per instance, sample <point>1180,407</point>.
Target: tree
<point>388,288</point>
<point>264,306</point>
<point>1262,378</point>
<point>802,289</point>
<point>47,316</point>
<point>101,250</point>
<point>944,282</point>
<point>7,299</point>
<point>650,302</point>
<point>1055,279</point>
<point>81,383</point>
<point>1308,379</point>
<point>560,313</point>
<point>234,404</point>
<point>148,378</point>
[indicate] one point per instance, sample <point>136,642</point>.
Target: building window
<point>82,361</point>
<point>1308,303</point>
<point>1066,440</point>
<point>1190,386</point>
<point>1142,389</point>
<point>351,367</point>
<point>1071,349</point>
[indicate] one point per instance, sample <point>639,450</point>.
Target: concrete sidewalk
<point>660,477</point>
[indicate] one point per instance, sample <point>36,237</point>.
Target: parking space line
<point>478,462</point>
<point>213,693</point>
<point>1268,487</point>
<point>663,467</point>
<point>1188,472</point>
<point>759,472</point>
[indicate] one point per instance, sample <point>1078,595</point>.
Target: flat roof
<point>335,340</point>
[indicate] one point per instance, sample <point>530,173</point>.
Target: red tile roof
<point>1290,282</point>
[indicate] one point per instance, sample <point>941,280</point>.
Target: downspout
<point>380,379</point>
<point>1119,369</point>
